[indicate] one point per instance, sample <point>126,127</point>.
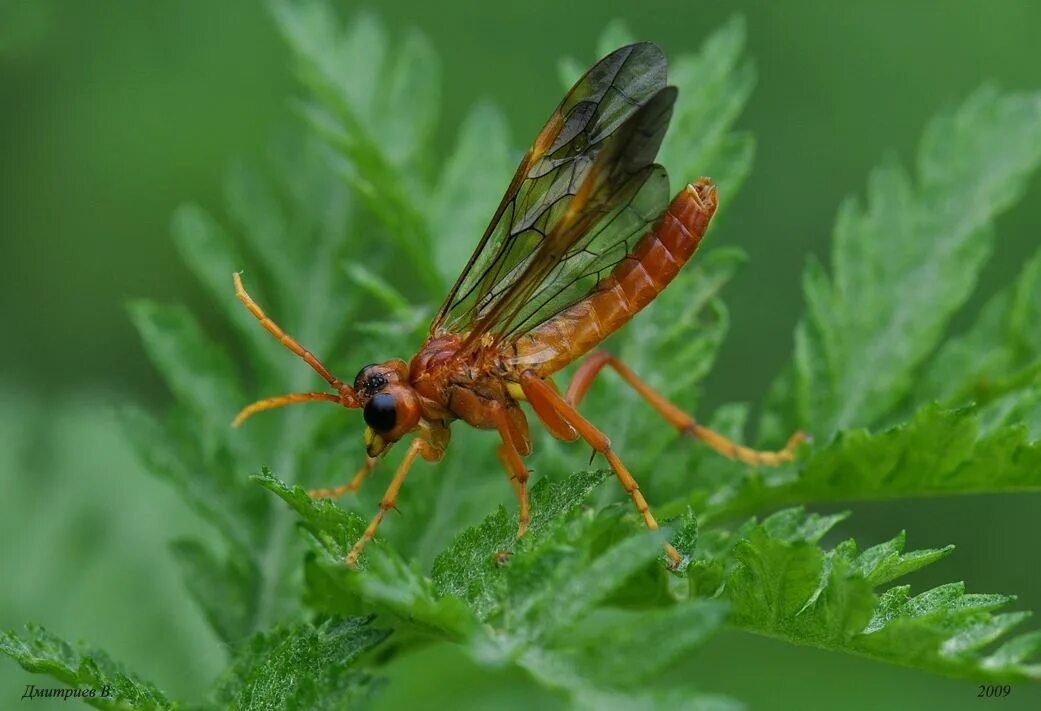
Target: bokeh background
<point>113,113</point>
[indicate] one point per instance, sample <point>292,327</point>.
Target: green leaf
<point>376,119</point>
<point>714,87</point>
<point>209,251</point>
<point>250,581</point>
<point>408,113</point>
<point>1001,352</point>
<point>200,375</point>
<point>939,452</point>
<point>467,568</point>
<point>225,590</point>
<point>41,652</point>
<point>302,667</point>
<point>608,653</point>
<point>470,186</point>
<point>608,666</point>
<point>555,595</point>
<point>322,518</point>
<point>542,608</point>
<point>780,583</point>
<point>385,582</point>
<point>905,262</point>
<point>214,492</point>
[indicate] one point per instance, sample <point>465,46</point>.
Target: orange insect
<point>584,238</point>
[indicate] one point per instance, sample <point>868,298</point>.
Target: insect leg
<point>548,415</point>
<point>534,387</point>
<point>676,417</point>
<point>284,338</point>
<point>390,497</point>
<point>353,485</point>
<point>510,452</point>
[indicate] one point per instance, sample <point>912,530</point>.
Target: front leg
<point>429,443</point>
<point>353,485</point>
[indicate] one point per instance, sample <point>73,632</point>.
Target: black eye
<point>369,381</point>
<point>360,378</point>
<point>381,413</point>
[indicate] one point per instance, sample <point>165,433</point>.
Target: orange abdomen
<point>631,285</point>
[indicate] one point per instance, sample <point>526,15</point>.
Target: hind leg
<point>676,417</point>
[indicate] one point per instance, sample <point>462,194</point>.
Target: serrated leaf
<point>409,108</point>
<point>607,666</point>
<point>714,87</point>
<point>323,518</point>
<point>609,654</point>
<point>389,585</point>
<point>938,452</point>
<point>209,251</point>
<point>41,652</point>
<point>257,212</point>
<point>218,496</point>
<point>905,262</point>
<point>198,372</point>
<point>567,596</point>
<point>466,569</point>
<point>225,590</point>
<point>887,561</point>
<point>563,603</point>
<point>376,121</point>
<point>302,667</point>
<point>1000,352</point>
<point>786,586</point>
<point>470,187</point>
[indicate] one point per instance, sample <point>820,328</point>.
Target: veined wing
<point>585,169</point>
<point>620,195</point>
<point>594,254</point>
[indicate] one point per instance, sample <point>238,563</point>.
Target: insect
<point>583,239</point>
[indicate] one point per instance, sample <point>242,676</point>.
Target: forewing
<point>621,193</point>
<point>595,254</point>
<point>575,157</point>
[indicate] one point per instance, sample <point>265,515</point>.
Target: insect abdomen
<point>631,285</point>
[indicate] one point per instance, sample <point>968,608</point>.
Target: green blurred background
<point>113,113</point>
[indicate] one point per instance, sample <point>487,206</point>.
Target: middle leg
<point>514,446</point>
<point>537,390</point>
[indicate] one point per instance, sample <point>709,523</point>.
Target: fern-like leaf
<point>781,583</point>
<point>905,262</point>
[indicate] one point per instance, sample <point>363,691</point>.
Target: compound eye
<point>381,412</point>
<point>361,378</point>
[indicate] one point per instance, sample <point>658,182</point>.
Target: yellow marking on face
<point>374,443</point>
<point>515,391</point>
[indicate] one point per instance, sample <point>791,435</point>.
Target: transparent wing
<point>593,255</point>
<point>583,173</point>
